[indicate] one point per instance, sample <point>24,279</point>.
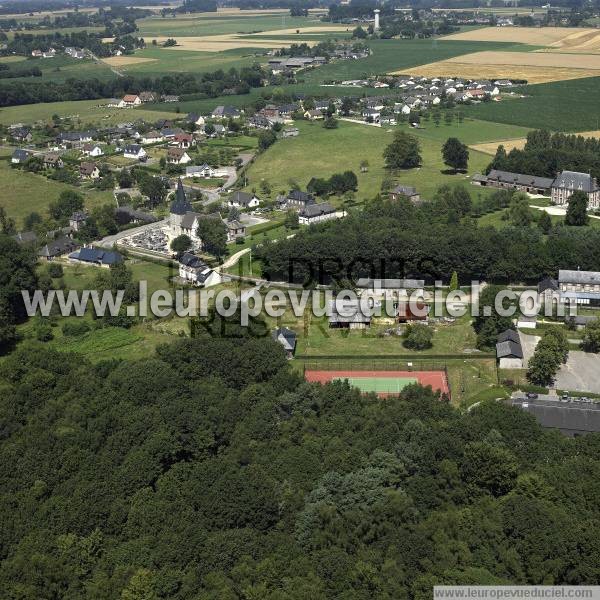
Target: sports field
<point>383,383</point>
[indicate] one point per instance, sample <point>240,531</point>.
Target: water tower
<point>376,26</point>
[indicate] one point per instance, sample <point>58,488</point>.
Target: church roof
<point>181,204</point>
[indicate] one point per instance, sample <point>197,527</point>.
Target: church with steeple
<point>184,221</point>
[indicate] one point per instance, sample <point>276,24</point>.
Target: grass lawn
<point>81,112</point>
<point>23,192</point>
<point>559,106</point>
<point>318,152</point>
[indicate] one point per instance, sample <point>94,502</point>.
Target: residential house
<point>178,156</point>
<point>410,311</point>
<point>56,248</point>
<point>77,220</point>
<point>21,134</point>
<point>387,287</point>
<point>405,191</point>
<point>195,119</point>
<point>259,122</point>
<point>204,170</point>
<point>97,257</point>
<point>135,151</point>
<point>20,156</point>
<point>225,112</point>
<point>183,139</point>
<point>147,97</point>
<point>313,115</point>
<point>93,150</point>
<point>371,115</point>
<point>235,229</point>
<point>75,137</point>
<point>509,351</point>
<point>243,200</point>
<point>316,213</point>
<point>151,137</point>
<point>298,200</point>
<point>89,170</point>
<point>570,181</point>
<point>287,338</point>
<point>52,160</point>
<point>129,101</point>
<point>194,270</point>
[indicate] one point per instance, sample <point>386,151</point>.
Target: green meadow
<point>319,152</point>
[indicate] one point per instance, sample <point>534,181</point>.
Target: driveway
<point>581,373</point>
<point>528,343</point>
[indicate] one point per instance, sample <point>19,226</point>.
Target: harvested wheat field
<point>533,67</point>
<point>122,61</point>
<point>491,147</point>
<point>519,143</point>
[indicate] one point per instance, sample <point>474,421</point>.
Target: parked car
<point>531,396</point>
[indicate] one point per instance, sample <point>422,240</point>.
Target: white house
<point>196,271</point>
<point>316,213</point>
<point>93,150</point>
<point>135,151</point>
<point>152,137</point>
<point>130,100</point>
<point>204,170</point>
<point>178,156</point>
<point>243,200</point>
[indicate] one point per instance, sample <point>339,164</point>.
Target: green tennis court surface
<point>380,385</point>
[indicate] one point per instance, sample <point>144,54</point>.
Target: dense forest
<point>546,154</point>
<point>211,471</point>
<point>429,241</point>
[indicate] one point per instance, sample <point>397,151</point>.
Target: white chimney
<point>376,26</point>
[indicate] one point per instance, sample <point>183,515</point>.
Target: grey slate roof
<point>188,220</point>
<point>98,256</point>
<point>286,337</point>
<point>509,335</point>
<point>406,190</point>
<point>241,198</point>
<point>180,204</point>
<point>579,277</point>
<point>509,349</point>
<point>571,180</point>
<point>520,179</point>
<point>57,247</point>
<point>569,417</point>
<point>315,210</point>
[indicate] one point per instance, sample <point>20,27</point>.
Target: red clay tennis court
<point>383,383</point>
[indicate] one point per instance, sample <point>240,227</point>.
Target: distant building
<point>405,191</point>
<point>287,338</point>
<point>97,257</point>
<point>129,101</point>
<point>347,315</point>
<point>514,181</point>
<point>89,170</point>
<point>243,200</point>
<point>570,181</point>
<point>134,151</point>
<point>194,270</point>
<point>178,156</point>
<point>509,351</point>
<point>572,418</point>
<point>580,287</point>
<point>56,248</point>
<point>316,213</point>
<point>20,156</point>
<point>226,112</point>
<point>298,200</point>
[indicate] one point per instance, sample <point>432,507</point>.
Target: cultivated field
<point>534,67</point>
<point>121,61</point>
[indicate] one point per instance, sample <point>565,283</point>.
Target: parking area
<point>581,373</point>
<point>528,344</point>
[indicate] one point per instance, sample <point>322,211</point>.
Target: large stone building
<point>570,181</point>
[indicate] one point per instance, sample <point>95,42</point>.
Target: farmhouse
<point>405,191</point>
<point>509,351</point>
<point>129,100</point>
<point>178,156</point>
<point>194,270</point>
<point>316,213</point>
<point>287,338</point>
<point>570,181</point>
<point>514,181</point>
<point>243,200</point>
